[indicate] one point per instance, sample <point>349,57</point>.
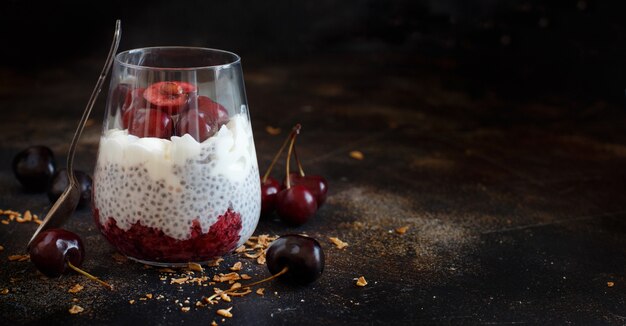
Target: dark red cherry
<point>135,100</point>
<point>303,256</point>
<point>150,123</point>
<point>269,190</point>
<point>213,110</point>
<point>169,96</point>
<point>52,249</point>
<point>60,181</point>
<point>316,184</point>
<point>33,167</point>
<point>197,125</point>
<point>295,205</point>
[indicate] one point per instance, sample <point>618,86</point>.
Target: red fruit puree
<point>151,244</point>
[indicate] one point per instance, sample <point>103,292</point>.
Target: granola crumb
<point>149,295</point>
<point>245,276</point>
<point>357,155</point>
<point>185,309</point>
<point>225,312</point>
<point>19,257</point>
<point>4,291</point>
<point>260,291</point>
<point>338,243</point>
<point>361,281</point>
<point>166,270</point>
<point>610,284</point>
<point>272,130</point>
<point>1,248</point>
<point>195,267</point>
<point>131,301</point>
<point>76,288</point>
<point>236,266</point>
<point>402,229</point>
<point>76,309</point>
<point>213,323</point>
<point>6,222</point>
<point>261,260</point>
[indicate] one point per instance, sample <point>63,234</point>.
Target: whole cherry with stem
<point>270,186</point>
<point>295,204</point>
<point>56,251</point>
<point>293,258</point>
<point>315,183</point>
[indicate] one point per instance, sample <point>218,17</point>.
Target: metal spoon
<point>66,204</point>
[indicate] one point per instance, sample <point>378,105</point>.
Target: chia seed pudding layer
<point>177,200</point>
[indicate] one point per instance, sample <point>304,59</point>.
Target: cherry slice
<point>150,123</point>
<point>169,96</point>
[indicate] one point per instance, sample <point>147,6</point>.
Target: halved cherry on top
<point>169,96</point>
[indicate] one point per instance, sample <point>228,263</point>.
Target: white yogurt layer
<point>166,184</point>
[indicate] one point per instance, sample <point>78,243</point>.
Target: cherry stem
<point>283,271</point>
<point>293,141</point>
<point>89,276</point>
<point>301,170</point>
<point>294,130</point>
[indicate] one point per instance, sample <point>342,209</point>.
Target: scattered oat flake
<point>272,130</point>
<point>241,249</point>
<point>225,297</point>
<point>195,267</point>
<point>4,291</point>
<point>131,301</point>
<point>361,281</point>
<point>1,248</point>
<point>216,262</point>
<point>178,280</point>
<point>357,155</point>
<point>260,291</point>
<point>261,260</point>
<point>167,270</point>
<point>610,284</point>
<point>76,288</point>
<point>18,257</point>
<point>185,309</point>
<point>245,276</point>
<point>225,312</point>
<point>340,244</point>
<point>402,229</point>
<point>5,222</point>
<point>213,323</point>
<point>149,295</point>
<point>236,266</point>
<point>76,309</point>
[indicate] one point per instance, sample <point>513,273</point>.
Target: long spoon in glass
<point>67,202</point>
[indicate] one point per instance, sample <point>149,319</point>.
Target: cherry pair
<point>300,195</point>
<point>35,168</point>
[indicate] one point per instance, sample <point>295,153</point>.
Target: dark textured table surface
<point>514,205</point>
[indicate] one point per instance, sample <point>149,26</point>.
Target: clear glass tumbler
<point>176,178</point>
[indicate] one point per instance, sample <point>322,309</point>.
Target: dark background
<point>526,49</point>
<point>494,129</point>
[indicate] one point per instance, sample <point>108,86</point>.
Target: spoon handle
<point>92,101</point>
<point>67,202</point>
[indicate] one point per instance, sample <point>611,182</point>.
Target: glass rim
<point>236,58</point>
